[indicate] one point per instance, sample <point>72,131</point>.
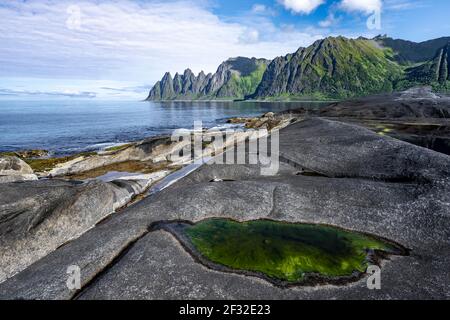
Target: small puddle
<point>284,254</point>
<point>115,175</point>
<point>176,176</point>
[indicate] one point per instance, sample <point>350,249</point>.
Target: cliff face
<point>234,79</point>
<point>407,52</point>
<point>330,68</point>
<point>435,71</point>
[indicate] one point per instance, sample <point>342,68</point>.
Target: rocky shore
<point>337,168</point>
<point>64,197</point>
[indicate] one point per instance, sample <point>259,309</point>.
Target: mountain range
<point>235,78</point>
<point>331,68</point>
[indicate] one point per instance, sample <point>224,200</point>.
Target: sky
<point>117,49</point>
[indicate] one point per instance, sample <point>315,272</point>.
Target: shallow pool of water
<point>285,252</point>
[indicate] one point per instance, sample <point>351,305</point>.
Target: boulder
<point>14,169</point>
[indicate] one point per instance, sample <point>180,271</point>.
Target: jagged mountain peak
<point>409,52</point>
<point>235,78</point>
<point>167,76</point>
<point>330,68</point>
<point>435,71</point>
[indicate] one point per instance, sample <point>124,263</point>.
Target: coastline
<point>248,100</point>
<point>332,172</point>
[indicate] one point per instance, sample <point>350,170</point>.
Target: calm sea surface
<point>65,127</point>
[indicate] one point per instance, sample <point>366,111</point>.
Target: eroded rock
<point>14,169</point>
<point>123,258</point>
<point>38,217</point>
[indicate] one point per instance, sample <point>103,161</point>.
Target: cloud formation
<point>66,93</point>
<point>365,6</point>
<point>329,21</point>
<point>130,40</point>
<point>302,6</point>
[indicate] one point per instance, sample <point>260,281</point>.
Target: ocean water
<point>70,126</point>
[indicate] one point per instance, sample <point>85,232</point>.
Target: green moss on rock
<point>286,252</point>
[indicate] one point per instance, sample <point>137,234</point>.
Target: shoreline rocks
<point>13,169</point>
<point>39,216</point>
<point>332,172</point>
<point>125,258</point>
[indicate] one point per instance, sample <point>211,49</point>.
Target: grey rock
<point>418,116</point>
<point>14,169</point>
<point>415,104</point>
<point>154,149</point>
<point>325,147</point>
<point>123,257</point>
<point>38,217</point>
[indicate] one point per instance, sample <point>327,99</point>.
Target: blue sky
<point>117,49</point>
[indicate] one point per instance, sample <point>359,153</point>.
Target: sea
<point>72,126</point>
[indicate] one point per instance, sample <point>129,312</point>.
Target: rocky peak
<point>434,71</point>
<point>443,64</point>
<point>167,77</point>
<point>189,86</point>
<point>188,73</point>
<point>335,66</point>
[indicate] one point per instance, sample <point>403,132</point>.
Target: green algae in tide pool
<point>286,252</point>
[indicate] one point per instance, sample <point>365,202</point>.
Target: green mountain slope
<point>332,68</point>
<point>435,72</point>
<point>408,52</point>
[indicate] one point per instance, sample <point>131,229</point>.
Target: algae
<point>287,252</point>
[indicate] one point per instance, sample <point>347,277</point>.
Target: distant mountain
<point>331,68</point>
<point>408,52</point>
<point>234,79</point>
<point>435,72</point>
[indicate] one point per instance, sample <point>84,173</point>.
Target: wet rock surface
<point>364,182</point>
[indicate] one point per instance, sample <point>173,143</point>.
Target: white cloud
<point>329,21</point>
<point>366,6</point>
<point>403,4</point>
<point>31,88</point>
<point>301,6</point>
<point>129,40</point>
<point>251,36</point>
<point>64,93</point>
<point>259,8</point>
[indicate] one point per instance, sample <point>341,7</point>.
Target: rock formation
<point>358,180</point>
<point>331,68</point>
<point>39,216</point>
<point>234,79</point>
<point>14,169</point>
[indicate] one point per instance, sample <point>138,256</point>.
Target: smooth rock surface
<point>38,217</point>
<point>390,189</point>
<point>14,169</point>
